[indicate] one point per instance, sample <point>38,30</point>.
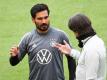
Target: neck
<point>43,32</point>
<point>39,31</point>
<point>82,37</point>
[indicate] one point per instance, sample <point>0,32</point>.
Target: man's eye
<point>39,18</point>
<point>45,17</point>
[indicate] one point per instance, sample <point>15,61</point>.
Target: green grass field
<point>15,20</point>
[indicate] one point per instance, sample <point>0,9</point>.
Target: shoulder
<point>95,41</point>
<point>95,44</point>
<point>58,31</point>
<point>28,34</point>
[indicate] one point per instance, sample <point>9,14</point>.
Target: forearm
<point>71,67</point>
<point>14,60</point>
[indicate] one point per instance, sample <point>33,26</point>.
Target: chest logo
<point>52,42</point>
<point>44,56</point>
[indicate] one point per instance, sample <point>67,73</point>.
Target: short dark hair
<point>38,8</point>
<point>80,23</point>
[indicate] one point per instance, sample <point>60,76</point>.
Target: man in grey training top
<point>45,62</point>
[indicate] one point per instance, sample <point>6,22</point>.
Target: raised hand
<point>65,49</point>
<point>14,51</point>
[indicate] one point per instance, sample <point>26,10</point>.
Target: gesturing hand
<point>65,49</point>
<point>14,51</point>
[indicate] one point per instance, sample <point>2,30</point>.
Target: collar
<point>49,30</point>
<point>82,39</point>
<point>86,39</point>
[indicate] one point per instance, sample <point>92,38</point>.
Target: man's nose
<point>43,20</point>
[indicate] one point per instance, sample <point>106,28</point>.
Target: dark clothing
<point>45,61</point>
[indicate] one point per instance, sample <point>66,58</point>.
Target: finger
<point>13,52</point>
<point>13,49</point>
<point>65,42</point>
<point>57,45</point>
<point>17,47</point>
<point>60,49</point>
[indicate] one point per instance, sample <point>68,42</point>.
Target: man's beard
<point>43,27</point>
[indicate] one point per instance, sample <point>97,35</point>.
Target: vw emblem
<point>44,56</point>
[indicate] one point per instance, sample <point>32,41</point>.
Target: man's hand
<point>66,49</point>
<point>14,51</point>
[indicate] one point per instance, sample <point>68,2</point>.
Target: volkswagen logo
<point>44,56</point>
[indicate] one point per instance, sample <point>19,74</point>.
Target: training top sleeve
<point>22,50</point>
<point>23,46</point>
<point>71,61</point>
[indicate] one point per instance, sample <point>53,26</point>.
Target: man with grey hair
<point>92,59</point>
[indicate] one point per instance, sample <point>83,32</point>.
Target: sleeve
<point>22,51</point>
<point>71,62</point>
<point>75,54</point>
<point>14,60</point>
<point>92,64</point>
<point>71,67</point>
